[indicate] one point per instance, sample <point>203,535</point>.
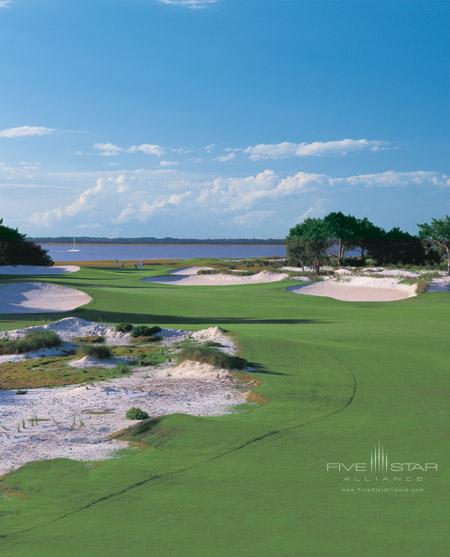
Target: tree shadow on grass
<point>146,318</point>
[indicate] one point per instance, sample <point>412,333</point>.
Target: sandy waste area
<point>77,421</point>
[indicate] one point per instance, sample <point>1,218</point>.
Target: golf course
<point>330,381</point>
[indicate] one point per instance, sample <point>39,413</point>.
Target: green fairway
<point>338,377</point>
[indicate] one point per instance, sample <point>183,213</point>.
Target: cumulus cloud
<point>147,209</point>
<point>111,150</point>
<point>89,200</point>
<point>25,131</point>
<point>286,149</point>
<point>193,4</point>
<point>108,149</point>
<point>147,149</point>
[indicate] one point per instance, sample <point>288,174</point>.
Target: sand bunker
<point>39,297</point>
<point>185,277</point>
<point>359,289</point>
<point>37,269</point>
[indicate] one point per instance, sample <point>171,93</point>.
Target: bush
<point>35,340</point>
<point>99,352</point>
<point>90,339</point>
<point>124,327</point>
<point>136,414</point>
<point>205,353</point>
<point>145,331</point>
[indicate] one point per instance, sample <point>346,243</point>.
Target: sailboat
<point>74,247</point>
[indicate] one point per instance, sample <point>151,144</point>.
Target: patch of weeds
<point>204,353</point>
<point>136,414</point>
<point>35,340</point>
<point>145,331</point>
<point>124,327</point>
<point>93,351</point>
<point>90,339</point>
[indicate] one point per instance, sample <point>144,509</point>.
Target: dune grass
<point>101,352</point>
<point>337,377</point>
<point>35,340</point>
<point>208,353</point>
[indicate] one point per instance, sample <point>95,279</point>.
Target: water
<point>108,252</point>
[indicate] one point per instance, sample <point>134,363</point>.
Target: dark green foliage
<point>208,354</point>
<point>437,233</point>
<point>307,244</point>
<point>145,331</point>
<point>397,247</point>
<point>17,249</point>
<point>136,414</point>
<point>124,327</point>
<point>100,352</point>
<point>32,341</point>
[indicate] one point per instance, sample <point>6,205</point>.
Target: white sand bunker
<point>186,277</point>
<point>39,297</point>
<point>76,422</point>
<point>37,269</point>
<point>359,289</point>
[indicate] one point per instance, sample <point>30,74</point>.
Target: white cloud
<point>111,150</point>
<point>392,178</point>
<point>5,3</point>
<point>146,209</point>
<point>286,149</point>
<point>193,4</point>
<point>25,131</point>
<point>227,157</point>
<point>147,149</point>
<point>108,149</point>
<point>167,164</point>
<point>89,200</point>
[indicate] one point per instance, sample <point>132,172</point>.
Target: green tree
<point>17,249</point>
<point>343,230</point>
<point>307,244</point>
<point>438,233</point>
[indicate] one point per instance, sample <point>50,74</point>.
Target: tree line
<point>317,241</point>
<point>17,249</point>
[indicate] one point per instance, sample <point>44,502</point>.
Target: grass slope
<point>338,376</point>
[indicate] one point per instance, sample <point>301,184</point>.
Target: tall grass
<point>101,352</point>
<point>205,353</point>
<point>35,340</point>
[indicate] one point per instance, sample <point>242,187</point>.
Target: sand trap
<point>37,270</point>
<point>185,278</point>
<point>39,297</point>
<point>89,361</point>
<point>359,289</point>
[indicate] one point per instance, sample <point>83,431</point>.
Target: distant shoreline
<point>159,242</point>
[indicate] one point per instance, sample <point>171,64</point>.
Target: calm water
<point>100,252</point>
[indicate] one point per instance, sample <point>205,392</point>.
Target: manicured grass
<point>338,377</point>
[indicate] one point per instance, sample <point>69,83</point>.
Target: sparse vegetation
<point>145,331</point>
<point>136,414</point>
<point>35,340</point>
<point>124,327</point>
<point>90,339</point>
<point>208,354</point>
<point>99,352</point>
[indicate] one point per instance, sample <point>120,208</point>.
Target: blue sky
<point>221,118</point>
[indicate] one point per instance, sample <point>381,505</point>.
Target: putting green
<point>339,377</point>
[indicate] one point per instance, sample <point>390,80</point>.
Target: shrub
<point>99,352</point>
<point>35,340</point>
<point>205,353</point>
<point>90,339</point>
<point>145,331</point>
<point>124,327</point>
<point>136,414</point>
